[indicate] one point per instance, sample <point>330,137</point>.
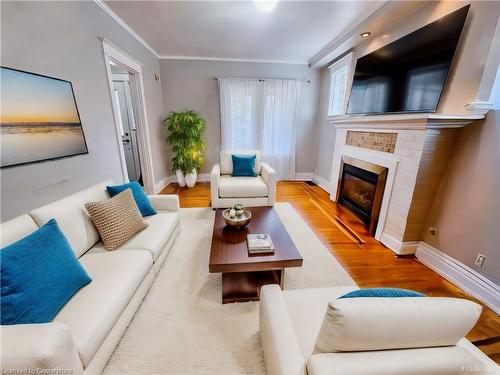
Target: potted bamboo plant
<point>186,138</point>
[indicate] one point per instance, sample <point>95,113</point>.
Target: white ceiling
<point>294,31</point>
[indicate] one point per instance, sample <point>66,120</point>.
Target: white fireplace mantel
<point>415,121</point>
<point>415,166</point>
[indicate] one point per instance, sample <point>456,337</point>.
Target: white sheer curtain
<point>240,113</point>
<point>261,114</point>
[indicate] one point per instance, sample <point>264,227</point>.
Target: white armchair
<point>226,190</point>
<point>366,336</point>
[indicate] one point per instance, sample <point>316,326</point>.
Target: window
<point>339,75</point>
<point>263,115</point>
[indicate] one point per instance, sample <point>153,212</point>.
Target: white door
<point>127,119</point>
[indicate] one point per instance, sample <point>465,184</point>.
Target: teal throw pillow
<point>39,273</point>
<point>141,199</point>
<point>382,292</point>
<point>243,165</point>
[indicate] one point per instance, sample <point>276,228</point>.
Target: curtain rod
<point>263,80</point>
<point>257,79</point>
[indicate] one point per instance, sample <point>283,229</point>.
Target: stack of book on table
<point>260,244</point>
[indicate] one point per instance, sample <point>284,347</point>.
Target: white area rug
<point>182,326</point>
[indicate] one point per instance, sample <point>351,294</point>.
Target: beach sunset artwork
<point>39,119</point>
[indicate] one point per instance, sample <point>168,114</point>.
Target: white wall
<point>465,75</point>
<point>192,85</point>
<point>61,40</point>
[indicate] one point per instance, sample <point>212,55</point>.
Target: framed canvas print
<point>39,119</point>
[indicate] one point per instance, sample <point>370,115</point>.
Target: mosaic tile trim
<point>385,142</point>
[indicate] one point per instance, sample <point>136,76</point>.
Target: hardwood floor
<point>368,262</point>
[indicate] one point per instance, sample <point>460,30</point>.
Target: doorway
<point>129,108</point>
<point>127,122</point>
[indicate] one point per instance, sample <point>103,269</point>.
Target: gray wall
<point>61,40</point>
<point>325,130</point>
<point>191,85</point>
<point>463,80</point>
<point>466,210</point>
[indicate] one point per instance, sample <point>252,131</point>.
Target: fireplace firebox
<point>361,189</point>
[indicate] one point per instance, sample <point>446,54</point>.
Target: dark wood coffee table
<point>242,274</point>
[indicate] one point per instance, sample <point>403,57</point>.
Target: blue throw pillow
<point>382,292</point>
<point>40,273</point>
<point>141,199</point>
<point>243,165</point>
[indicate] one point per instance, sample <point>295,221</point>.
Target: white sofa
<point>85,332</point>
<point>226,190</point>
<point>290,321</point>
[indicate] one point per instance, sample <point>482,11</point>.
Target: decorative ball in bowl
<point>237,217</point>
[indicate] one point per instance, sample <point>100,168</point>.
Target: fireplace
<point>361,188</point>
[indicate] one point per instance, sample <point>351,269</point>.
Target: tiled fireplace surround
<point>415,149</point>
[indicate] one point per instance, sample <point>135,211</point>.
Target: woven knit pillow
<point>117,219</point>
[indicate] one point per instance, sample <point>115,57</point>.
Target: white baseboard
<point>303,176</point>
<point>399,247</point>
<point>318,180</point>
<point>323,183</point>
<point>203,177</point>
<point>461,275</point>
<point>164,182</point>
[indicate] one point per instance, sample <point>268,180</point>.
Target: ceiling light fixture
<point>265,6</point>
<point>366,34</point>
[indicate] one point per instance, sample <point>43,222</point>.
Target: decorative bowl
<point>241,219</point>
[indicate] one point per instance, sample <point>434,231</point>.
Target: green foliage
<point>186,138</point>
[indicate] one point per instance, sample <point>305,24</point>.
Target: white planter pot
<point>180,178</point>
<point>191,178</point>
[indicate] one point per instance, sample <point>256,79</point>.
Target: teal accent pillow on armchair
<point>141,199</point>
<point>40,273</point>
<point>243,165</point>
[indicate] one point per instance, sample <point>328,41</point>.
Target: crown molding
<point>131,31</point>
<point>123,24</point>
<point>231,59</point>
<point>364,19</point>
<point>397,11</point>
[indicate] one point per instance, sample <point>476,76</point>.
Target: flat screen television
<point>407,75</point>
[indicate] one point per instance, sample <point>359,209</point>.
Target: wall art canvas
<point>39,119</point>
